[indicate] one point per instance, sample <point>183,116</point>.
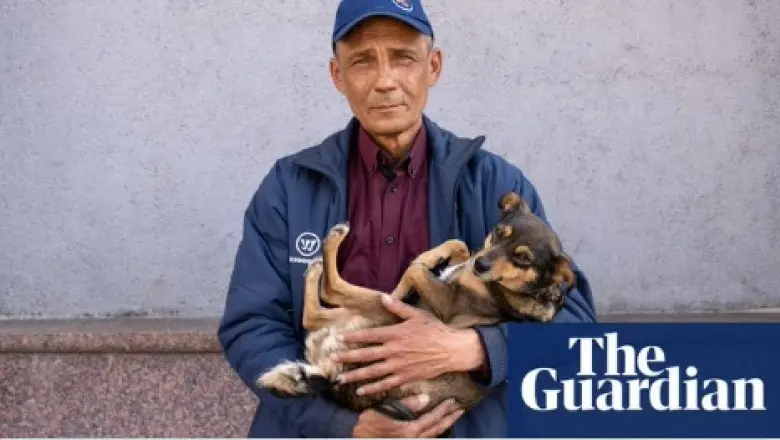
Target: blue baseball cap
<point>351,12</point>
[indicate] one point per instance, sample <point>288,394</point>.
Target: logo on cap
<point>406,5</point>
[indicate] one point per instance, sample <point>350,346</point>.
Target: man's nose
<point>385,76</point>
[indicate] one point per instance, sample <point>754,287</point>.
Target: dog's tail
<point>295,379</point>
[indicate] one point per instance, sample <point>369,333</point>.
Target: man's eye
<point>405,57</point>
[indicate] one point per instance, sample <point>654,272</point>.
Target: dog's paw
<point>451,252</point>
<point>458,251</point>
<point>293,379</point>
<point>339,230</point>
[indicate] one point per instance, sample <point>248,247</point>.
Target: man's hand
<point>419,348</point>
<point>434,423</point>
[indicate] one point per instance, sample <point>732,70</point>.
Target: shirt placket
<point>391,217</point>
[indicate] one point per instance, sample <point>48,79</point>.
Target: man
<point>405,185</point>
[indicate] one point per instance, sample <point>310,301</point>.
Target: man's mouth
<point>386,107</point>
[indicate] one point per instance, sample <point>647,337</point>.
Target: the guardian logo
<point>631,380</point>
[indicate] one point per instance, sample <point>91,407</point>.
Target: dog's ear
<point>511,201</point>
<point>562,272</point>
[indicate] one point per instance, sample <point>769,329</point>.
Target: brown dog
<point>521,274</point>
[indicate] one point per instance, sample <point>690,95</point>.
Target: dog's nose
<point>480,266</point>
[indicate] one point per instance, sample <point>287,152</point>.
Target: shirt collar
<point>372,156</point>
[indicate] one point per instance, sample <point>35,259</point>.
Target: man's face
<point>384,69</point>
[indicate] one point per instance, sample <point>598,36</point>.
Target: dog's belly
<point>324,342</point>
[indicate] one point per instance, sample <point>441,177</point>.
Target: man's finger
<point>400,308</point>
<point>373,371</point>
<point>383,385</point>
<point>371,335</point>
<point>359,355</point>
<point>441,426</point>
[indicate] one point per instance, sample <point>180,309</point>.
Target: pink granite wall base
<point>118,379</point>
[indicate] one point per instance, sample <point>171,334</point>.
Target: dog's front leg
<point>434,293</point>
<point>453,251</point>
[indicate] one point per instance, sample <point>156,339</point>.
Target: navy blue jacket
<point>298,201</point>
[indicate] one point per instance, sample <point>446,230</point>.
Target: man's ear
<point>436,65</point>
<point>335,74</point>
<point>512,201</point>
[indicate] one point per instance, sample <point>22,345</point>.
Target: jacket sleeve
<point>256,330</point>
<point>579,306</point>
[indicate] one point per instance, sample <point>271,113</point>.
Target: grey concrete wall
<point>132,134</point>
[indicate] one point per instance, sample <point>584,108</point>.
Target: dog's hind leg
<point>338,291</point>
<point>315,316</point>
<point>299,378</point>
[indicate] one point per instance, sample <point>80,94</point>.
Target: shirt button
<point>389,239</point>
<point>394,189</point>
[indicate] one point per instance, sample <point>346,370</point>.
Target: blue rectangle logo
<point>644,380</point>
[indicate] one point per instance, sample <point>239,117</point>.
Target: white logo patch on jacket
<point>307,244</point>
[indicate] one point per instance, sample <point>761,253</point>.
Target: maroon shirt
<point>388,219</point>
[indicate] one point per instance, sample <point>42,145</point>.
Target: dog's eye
<point>522,261</point>
<point>502,231</point>
<point>522,257</point>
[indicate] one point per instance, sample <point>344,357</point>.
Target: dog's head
<point>523,262</point>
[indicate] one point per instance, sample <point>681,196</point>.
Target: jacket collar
<point>330,157</point>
